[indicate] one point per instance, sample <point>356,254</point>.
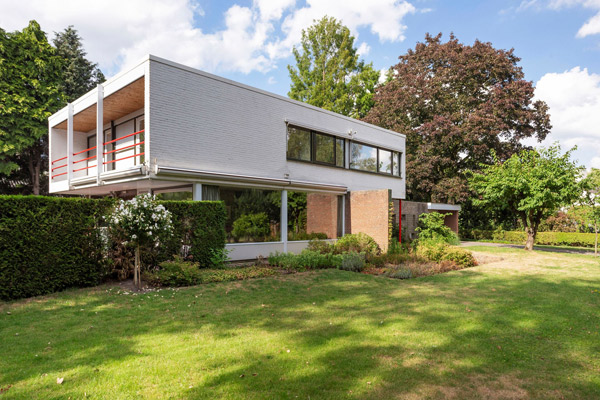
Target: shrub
<point>431,228</point>
<point>174,273</point>
<point>542,238</point>
<point>358,243</point>
<point>49,244</point>
<point>251,226</point>
<point>320,246</point>
<point>394,259</point>
<point>354,262</point>
<point>431,250</point>
<point>307,259</point>
<point>219,257</point>
<point>399,273</point>
<point>461,257</point>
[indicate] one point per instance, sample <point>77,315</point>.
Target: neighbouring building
<point>287,169</point>
<point>407,215</point>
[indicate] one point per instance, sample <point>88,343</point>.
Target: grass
<point>521,325</point>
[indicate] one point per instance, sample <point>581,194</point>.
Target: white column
<point>99,133</point>
<point>284,219</point>
<point>69,144</point>
<point>197,192</point>
<point>343,214</point>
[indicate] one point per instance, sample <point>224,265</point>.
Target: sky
<point>250,41</point>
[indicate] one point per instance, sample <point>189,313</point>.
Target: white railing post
<point>99,133</point>
<point>69,144</point>
<point>284,220</point>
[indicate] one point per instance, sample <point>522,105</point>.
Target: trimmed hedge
<point>49,244</point>
<point>199,224</point>
<point>543,238</point>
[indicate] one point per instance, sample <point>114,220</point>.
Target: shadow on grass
<point>451,335</point>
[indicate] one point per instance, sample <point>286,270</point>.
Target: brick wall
<point>321,214</point>
<point>370,213</point>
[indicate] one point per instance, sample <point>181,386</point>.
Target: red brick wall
<point>370,213</point>
<point>321,214</point>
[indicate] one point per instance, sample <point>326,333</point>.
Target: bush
<point>354,262</point>
<point>307,259</point>
<point>251,226</point>
<point>431,228</point>
<point>174,273</point>
<point>320,246</point>
<point>461,257</point>
<point>49,244</point>
<point>431,250</point>
<point>358,243</point>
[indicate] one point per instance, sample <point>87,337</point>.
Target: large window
<point>373,159</point>
<point>316,147</point>
<point>363,157</point>
<point>298,144</point>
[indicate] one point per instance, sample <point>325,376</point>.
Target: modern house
<point>178,132</point>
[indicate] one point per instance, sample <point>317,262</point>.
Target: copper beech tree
<point>455,103</point>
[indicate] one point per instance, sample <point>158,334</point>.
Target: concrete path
<point>537,248</point>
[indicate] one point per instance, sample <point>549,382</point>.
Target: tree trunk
<point>531,232</point>
<point>136,269</point>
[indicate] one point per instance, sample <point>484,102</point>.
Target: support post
<point>197,192</point>
<point>69,144</point>
<point>399,220</point>
<point>343,214</point>
<point>99,133</point>
<point>284,220</point>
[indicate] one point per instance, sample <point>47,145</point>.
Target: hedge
<point>543,238</point>
<point>49,244</point>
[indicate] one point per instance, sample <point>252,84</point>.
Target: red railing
<point>104,153</point>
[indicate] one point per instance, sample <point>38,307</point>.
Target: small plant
<point>399,273</point>
<point>358,243</point>
<point>176,272</point>
<point>461,257</point>
<point>430,249</point>
<point>306,260</point>
<point>219,257</point>
<point>431,228</point>
<point>354,262</point>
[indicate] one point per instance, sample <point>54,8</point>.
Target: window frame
<point>313,149</point>
<point>378,172</point>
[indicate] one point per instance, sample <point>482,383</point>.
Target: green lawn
<point>519,326</point>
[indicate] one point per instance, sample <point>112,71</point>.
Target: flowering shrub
<point>143,223</point>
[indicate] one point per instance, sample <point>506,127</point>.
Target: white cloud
<point>591,26</point>
<point>271,80</point>
<point>574,100</point>
<point>117,33</point>
<point>363,49</point>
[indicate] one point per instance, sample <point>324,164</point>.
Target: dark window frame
<point>313,149</point>
<point>378,172</point>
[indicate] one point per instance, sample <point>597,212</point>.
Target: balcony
<point>78,157</point>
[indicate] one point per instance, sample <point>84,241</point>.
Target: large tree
<point>455,103</point>
<point>328,72</point>
<point>79,74</point>
<point>30,91</point>
<point>532,184</point>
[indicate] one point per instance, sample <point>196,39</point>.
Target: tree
<point>79,74</point>
<point>30,82</point>
<point>455,103</point>
<point>532,184</point>
<point>591,200</point>
<point>328,72</point>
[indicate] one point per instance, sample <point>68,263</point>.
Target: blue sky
<point>250,41</point>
